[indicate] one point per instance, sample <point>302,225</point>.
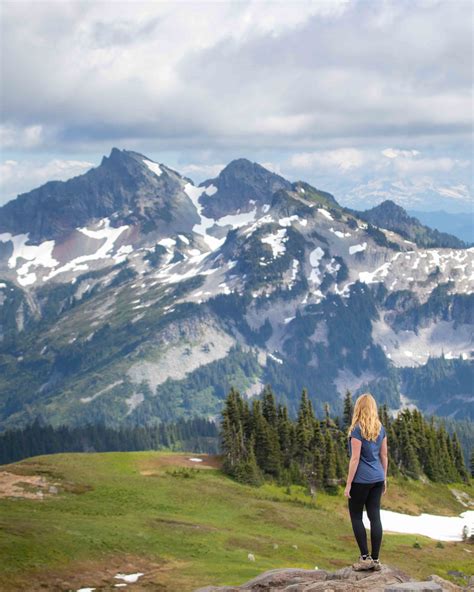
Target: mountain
<point>392,217</point>
<point>129,294</point>
<point>460,225</point>
<point>241,185</point>
<point>127,186</point>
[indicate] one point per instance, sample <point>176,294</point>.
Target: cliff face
<point>388,579</point>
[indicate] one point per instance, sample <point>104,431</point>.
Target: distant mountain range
<point>129,294</point>
<point>460,225</point>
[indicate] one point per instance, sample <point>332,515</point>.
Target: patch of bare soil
<point>152,466</point>
<point>26,486</point>
<point>158,575</point>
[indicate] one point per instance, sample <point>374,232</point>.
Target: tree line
<point>198,434</point>
<point>259,440</point>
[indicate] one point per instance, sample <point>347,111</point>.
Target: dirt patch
<point>157,576</point>
<point>155,465</point>
<point>37,487</point>
<point>26,486</point>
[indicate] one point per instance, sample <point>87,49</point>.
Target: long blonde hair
<point>366,415</point>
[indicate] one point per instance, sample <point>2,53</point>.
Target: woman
<point>367,478</point>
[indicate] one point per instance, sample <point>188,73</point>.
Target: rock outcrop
<point>388,579</point>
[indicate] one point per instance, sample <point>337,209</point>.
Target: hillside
<point>459,224</point>
<point>130,295</point>
<point>183,525</point>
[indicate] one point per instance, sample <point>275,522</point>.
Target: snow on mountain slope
<point>145,295</point>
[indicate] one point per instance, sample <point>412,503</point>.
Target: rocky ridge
<point>388,579</point>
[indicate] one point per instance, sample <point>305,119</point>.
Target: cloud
<point>286,75</point>
<point>395,153</point>
<point>201,171</point>
<point>343,159</point>
<point>12,136</point>
<point>339,93</point>
<point>19,177</point>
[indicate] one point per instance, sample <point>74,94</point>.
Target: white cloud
<point>18,177</point>
<point>394,152</point>
<point>200,172</point>
<point>12,136</point>
<point>343,159</point>
<point>358,92</point>
<point>236,73</point>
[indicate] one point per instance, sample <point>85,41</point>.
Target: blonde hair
<point>366,415</point>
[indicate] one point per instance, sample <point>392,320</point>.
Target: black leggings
<point>368,494</point>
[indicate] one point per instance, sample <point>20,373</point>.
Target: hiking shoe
<point>377,565</point>
<point>363,564</point>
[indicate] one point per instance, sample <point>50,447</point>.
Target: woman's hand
<point>384,487</point>
<point>347,491</point>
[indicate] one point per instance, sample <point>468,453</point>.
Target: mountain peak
<point>128,185</point>
<point>239,186</point>
<point>119,157</point>
<point>390,207</point>
<point>392,216</point>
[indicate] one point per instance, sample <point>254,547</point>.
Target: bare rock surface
<point>388,579</point>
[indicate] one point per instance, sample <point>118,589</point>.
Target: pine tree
<point>285,436</point>
<point>268,406</point>
<point>348,411</point>
<point>329,466</point>
<point>304,429</point>
<point>247,470</point>
<point>458,458</point>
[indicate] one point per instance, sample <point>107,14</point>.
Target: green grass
<point>197,525</point>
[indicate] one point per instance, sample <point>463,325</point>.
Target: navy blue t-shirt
<point>369,469</point>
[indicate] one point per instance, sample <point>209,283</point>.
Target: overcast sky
<point>367,99</point>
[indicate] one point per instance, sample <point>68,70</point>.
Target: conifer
<point>348,410</point>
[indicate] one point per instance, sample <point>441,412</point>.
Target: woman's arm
<point>384,461</point>
<point>356,446</point>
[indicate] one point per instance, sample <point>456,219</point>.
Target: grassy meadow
<point>186,525</point>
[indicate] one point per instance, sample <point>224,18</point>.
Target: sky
<point>367,99</point>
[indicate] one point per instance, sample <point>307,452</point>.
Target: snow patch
<point>210,190</point>
<point>129,578</point>
<point>440,528</point>
<point>153,166</point>
<point>289,219</point>
<point>278,360</point>
<point>108,233</point>
<point>340,234</point>
<point>237,220</point>
<point>35,255</point>
<point>314,258</point>
<point>325,213</point>
<point>120,255</point>
<point>357,248</point>
<point>101,392</point>
<point>169,243</point>
<point>194,193</point>
<point>276,241</point>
